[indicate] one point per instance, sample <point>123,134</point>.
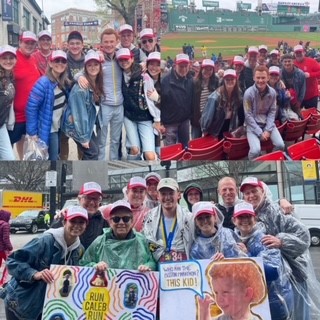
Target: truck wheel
<point>315,238</point>
<point>34,228</point>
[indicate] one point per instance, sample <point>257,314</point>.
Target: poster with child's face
<point>207,289</point>
<point>80,293</point>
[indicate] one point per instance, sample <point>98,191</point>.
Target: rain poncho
<point>295,238</point>
<point>280,292</point>
<point>129,253</point>
<point>222,241</point>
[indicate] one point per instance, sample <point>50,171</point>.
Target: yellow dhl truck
<point>16,201</point>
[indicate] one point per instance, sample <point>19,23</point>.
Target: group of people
<point>248,99</point>
<point>151,222</point>
<point>53,95</point>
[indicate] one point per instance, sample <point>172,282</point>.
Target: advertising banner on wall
<point>7,14</point>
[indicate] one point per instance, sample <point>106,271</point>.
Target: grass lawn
<point>230,44</point>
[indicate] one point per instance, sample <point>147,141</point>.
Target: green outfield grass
<point>230,44</point>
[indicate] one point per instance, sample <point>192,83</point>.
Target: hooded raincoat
<point>188,188</point>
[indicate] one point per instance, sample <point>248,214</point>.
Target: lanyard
<point>167,239</point>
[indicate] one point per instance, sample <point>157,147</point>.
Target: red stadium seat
<point>173,152</point>
<point>276,155</point>
<point>202,142</point>
<point>211,152</point>
<point>295,130</point>
<point>304,150</point>
<point>235,148</point>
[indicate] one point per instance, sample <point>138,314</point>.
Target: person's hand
<point>288,94</point>
<point>157,126</point>
<point>85,145</point>
<point>44,275</point>
<point>218,256</point>
<point>60,215</point>
<point>101,56</point>
<point>143,66</point>
<point>143,268</point>
<point>271,242</point>
<point>286,206</point>
<point>83,82</point>
<point>204,306</point>
<point>265,136</point>
<point>242,247</point>
<point>34,138</point>
<point>307,74</point>
<point>153,95</point>
<point>102,266</point>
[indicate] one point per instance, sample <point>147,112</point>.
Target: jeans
<point>54,146</point>
<point>6,151</point>
<point>255,143</point>
<point>112,115</point>
<point>177,133</point>
<point>90,153</point>
<point>139,134</point>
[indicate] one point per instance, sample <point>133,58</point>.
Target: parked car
<point>29,220</point>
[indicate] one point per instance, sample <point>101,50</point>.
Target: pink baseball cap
<point>182,58</point>
<point>124,54</point>
<point>146,33</point>
<point>207,63</point>
<point>125,27</point>
<point>274,70</point>
<point>230,73</point>
<point>28,36</point>
<point>238,60</point>
<point>154,56</point>
<point>89,188</point>
<point>92,55</point>
<point>8,49</point>
<point>58,54</point>
<point>298,48</point>
<point>243,208</point>
<point>253,50</point>
<point>44,33</point>
<point>203,207</point>
<point>76,212</point>
<point>137,182</point>
<point>120,204</point>
<point>250,181</point>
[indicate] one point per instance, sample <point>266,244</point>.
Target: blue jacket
<point>280,292</point>
<point>80,115</point>
<point>25,296</point>
<point>39,109</point>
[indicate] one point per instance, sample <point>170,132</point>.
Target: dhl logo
<point>23,199</point>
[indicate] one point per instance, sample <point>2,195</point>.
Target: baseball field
<point>231,44</point>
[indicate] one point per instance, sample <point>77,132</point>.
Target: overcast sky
<point>54,6</point>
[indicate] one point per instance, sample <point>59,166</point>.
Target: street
<point>21,238</point>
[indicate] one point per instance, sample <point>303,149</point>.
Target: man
<point>126,41</point>
<point>89,197</point>
<point>75,61</point>
<point>228,192</point>
<point>274,59</point>
<point>176,102</point>
<point>295,81</point>
<point>43,53</point>
<point>263,55</point>
<point>311,69</point>
<point>260,109</point>
<point>250,64</point>
<point>167,226</point>
<point>25,75</point>
<point>112,102</point>
<point>152,180</point>
<point>148,43</point>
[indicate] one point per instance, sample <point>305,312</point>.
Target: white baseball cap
<point>298,48</point>
<point>154,56</point>
<point>182,58</point>
<point>274,69</point>
<point>125,27</point>
<point>124,53</point>
<point>89,188</point>
<point>8,49</point>
<point>207,63</point>
<point>274,51</point>
<point>44,33</point>
<point>263,47</point>
<point>146,33</point>
<point>168,183</point>
<point>243,208</point>
<point>250,181</point>
<point>230,73</point>
<point>202,207</point>
<point>28,35</point>
<point>120,204</point>
<point>58,54</point>
<point>253,50</point>
<point>76,212</point>
<point>238,60</point>
<point>137,182</point>
<point>92,55</point>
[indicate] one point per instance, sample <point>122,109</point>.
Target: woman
<point>5,243</point>
<point>8,59</point>
<point>30,266</point>
<point>288,234</point>
<point>280,293</point>
<point>204,84</point>
<point>152,86</point>
<point>210,239</point>
<point>284,111</point>
<point>82,112</point>
<point>238,65</point>
<point>224,110</point>
<point>47,102</point>
<point>192,194</point>
<point>116,247</point>
<point>138,120</point>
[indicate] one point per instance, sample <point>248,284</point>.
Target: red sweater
<point>313,68</point>
<point>41,61</point>
<point>26,74</point>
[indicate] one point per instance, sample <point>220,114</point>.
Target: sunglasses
<point>94,199</point>
<point>147,40</point>
<point>125,219</point>
<point>60,60</point>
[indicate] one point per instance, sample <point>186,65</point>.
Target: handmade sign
<point>80,293</point>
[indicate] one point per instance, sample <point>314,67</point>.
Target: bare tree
<point>126,8</point>
<point>25,175</point>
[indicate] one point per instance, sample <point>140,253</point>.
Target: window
<point>15,9</point>
<point>35,25</point>
<point>26,19</point>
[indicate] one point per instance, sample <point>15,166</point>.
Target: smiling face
<point>75,227</point>
<point>91,202</point>
<point>44,43</point>
<point>75,47</point>
<point>169,199</point>
<point>193,196</point>
<point>136,196</point>
<point>93,68</point>
<point>126,38</point>
<point>244,223</point>
<point>125,64</point>
<point>207,72</point>
<point>206,224</point>
<point>27,47</point>
<point>288,64</point>
<point>182,69</point>
<point>8,61</point>
<point>232,297</point>
<point>148,44</point>
<point>58,66</point>
<point>261,79</point>
<point>253,195</point>
<point>121,222</point>
<point>154,69</point>
<point>227,189</point>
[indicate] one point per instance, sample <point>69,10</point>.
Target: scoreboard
<point>293,8</point>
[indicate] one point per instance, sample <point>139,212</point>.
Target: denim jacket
<point>25,296</point>
<point>80,115</point>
